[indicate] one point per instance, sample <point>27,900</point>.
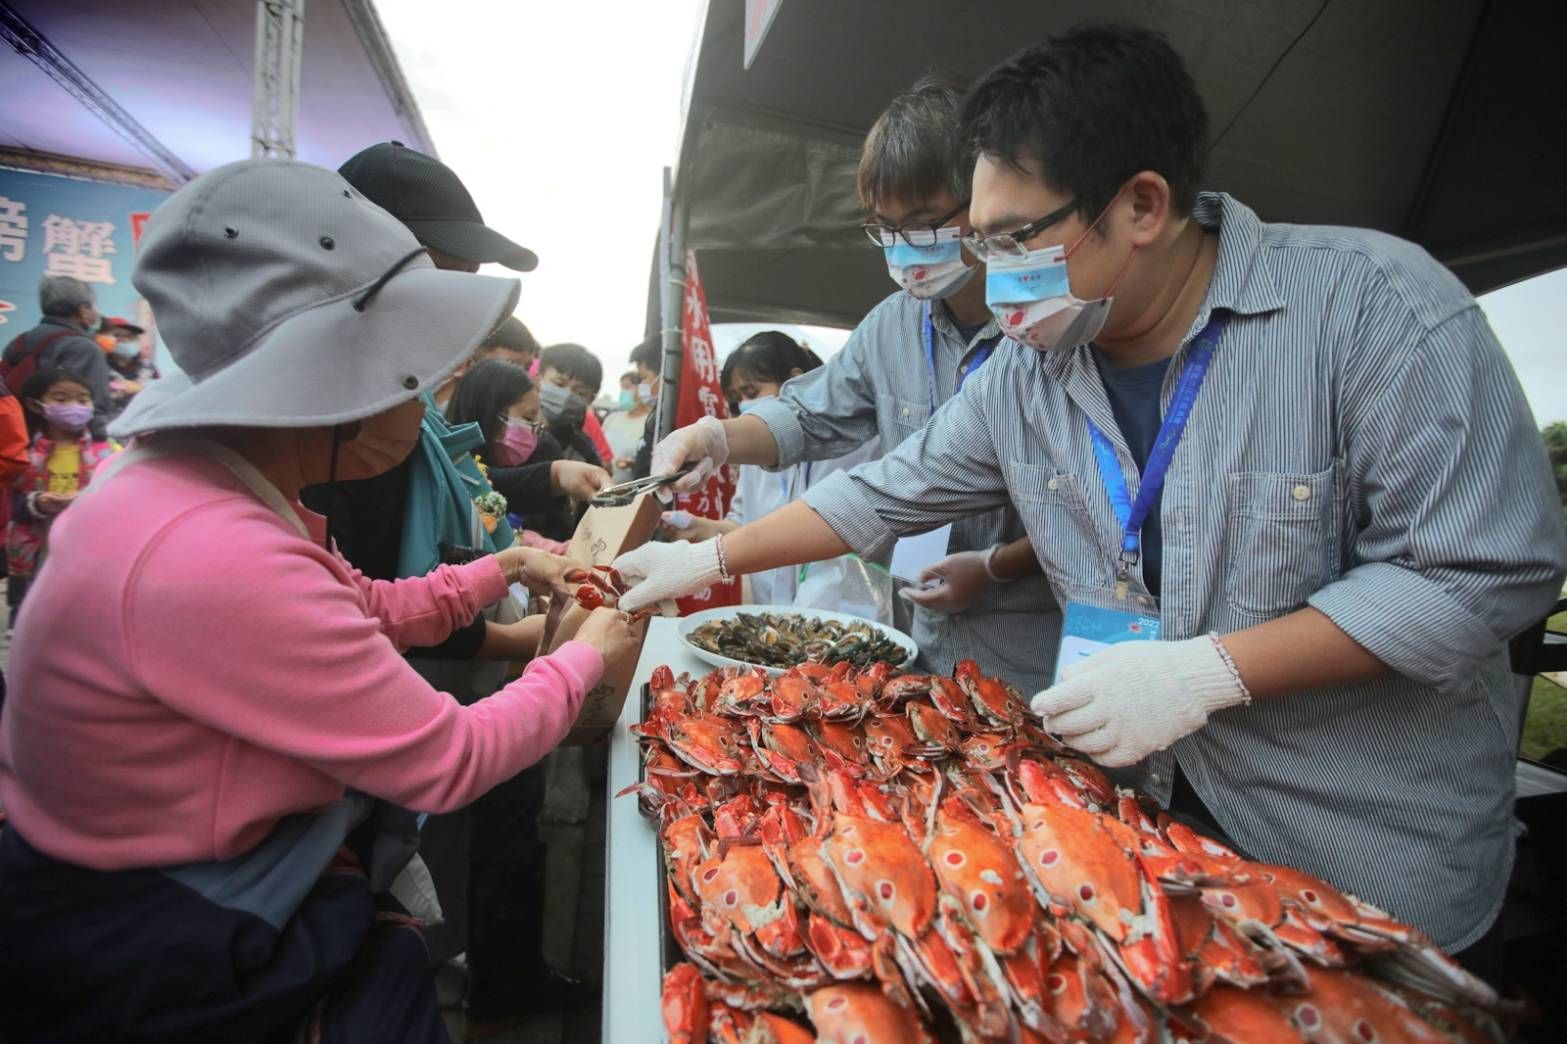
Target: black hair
<point>513,336</point>
<point>771,355</point>
<point>915,148</point>
<point>1092,106</point>
<point>575,362</point>
<point>649,353</point>
<point>38,385</point>
<point>486,392</point>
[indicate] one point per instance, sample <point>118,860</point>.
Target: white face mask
<point>1031,297</point>
<point>645,393</point>
<point>929,272</point>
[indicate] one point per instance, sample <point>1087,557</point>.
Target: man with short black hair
<point>1295,456</point>
<point>62,340</point>
<point>909,357</point>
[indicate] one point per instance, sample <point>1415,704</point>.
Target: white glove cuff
<point>709,558</point>
<point>1209,672</point>
<point>716,442</point>
<point>989,569</point>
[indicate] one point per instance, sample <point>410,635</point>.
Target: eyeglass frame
<point>977,245</point>
<point>874,229</point>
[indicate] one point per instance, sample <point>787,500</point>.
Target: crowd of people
<point>261,762</point>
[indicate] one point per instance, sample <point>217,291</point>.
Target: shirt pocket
<point>1054,512</point>
<point>1283,535</point>
<point>899,418</point>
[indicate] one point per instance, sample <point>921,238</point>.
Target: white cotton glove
<point>1134,698</point>
<point>963,576</point>
<point>657,574</point>
<point>703,444</point>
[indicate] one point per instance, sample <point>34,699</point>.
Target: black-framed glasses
<point>914,233</point>
<point>1015,243</point>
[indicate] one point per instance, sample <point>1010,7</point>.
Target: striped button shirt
<point>1361,445</point>
<point>879,384</point>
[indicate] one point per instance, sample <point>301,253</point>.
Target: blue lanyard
<point>1131,514</point>
<point>980,355</point>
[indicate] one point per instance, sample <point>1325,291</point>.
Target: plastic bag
<point>846,584</point>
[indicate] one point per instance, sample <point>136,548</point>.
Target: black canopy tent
<point>1437,120</point>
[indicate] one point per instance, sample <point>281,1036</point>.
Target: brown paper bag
<point>604,534</point>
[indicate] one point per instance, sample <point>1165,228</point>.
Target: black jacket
<point>74,352</point>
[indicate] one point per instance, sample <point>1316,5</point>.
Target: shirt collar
<point>1242,281</point>
<point>942,319</point>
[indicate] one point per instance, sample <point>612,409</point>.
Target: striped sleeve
<point>1455,553</point>
<point>945,472</point>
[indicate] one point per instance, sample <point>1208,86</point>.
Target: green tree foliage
<point>1556,445</point>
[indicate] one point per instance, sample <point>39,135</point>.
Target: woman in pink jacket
<point>205,701</point>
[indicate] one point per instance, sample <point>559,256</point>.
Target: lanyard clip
<point>1123,575</point>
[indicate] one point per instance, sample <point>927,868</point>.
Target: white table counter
<point>632,975</point>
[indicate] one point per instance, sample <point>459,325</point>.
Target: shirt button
<point>905,411</point>
<point>1301,492</point>
<point>1155,779</point>
<point>1051,485</point>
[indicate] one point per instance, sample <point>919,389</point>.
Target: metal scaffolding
<point>280,27</point>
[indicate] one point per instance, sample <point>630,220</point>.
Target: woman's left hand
<point>538,571</point>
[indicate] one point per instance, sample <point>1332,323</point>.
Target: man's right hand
<point>660,573</point>
<point>702,444</point>
<point>610,632</point>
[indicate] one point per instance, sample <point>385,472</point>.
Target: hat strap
<point>375,287</point>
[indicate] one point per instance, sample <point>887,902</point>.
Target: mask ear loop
<point>1125,265</point>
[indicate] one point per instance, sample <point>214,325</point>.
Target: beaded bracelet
<point>1229,661</point>
<point>723,564</point>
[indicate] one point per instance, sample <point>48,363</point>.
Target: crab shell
<point>684,1005</point>
<point>980,873</point>
<point>741,886</point>
<point>1343,1006</point>
<point>855,1013</point>
<point>994,700</point>
<point>705,742</point>
<point>1229,1015</point>
<point>881,870</point>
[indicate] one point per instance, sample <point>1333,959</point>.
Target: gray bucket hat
<point>291,301</point>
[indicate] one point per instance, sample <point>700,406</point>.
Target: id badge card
<point>1089,627</point>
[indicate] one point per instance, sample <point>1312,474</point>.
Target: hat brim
<point>472,241</point>
<point>331,364</point>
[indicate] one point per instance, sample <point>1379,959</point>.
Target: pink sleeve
<point>425,610</point>
<point>240,625</point>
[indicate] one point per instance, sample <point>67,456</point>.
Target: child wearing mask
<point>129,369</point>
<point>753,373</point>
<point>61,458</point>
<point>569,380</point>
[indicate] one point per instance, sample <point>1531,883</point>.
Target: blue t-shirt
<point>1134,399</point>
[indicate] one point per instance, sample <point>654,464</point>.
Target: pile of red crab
<point>911,858</point>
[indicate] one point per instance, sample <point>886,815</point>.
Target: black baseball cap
<point>428,196</point>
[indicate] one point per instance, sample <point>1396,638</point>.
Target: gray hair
<point>915,148</point>
<point>61,297</point>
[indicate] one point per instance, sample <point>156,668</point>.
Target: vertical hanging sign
<point>701,396</point>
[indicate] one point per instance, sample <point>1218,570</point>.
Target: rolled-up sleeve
<point>947,471</point>
<point>1457,539</point>
<point>831,410</point>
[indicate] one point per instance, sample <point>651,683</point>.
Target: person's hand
<point>962,577</point>
<point>538,571</point>
<point>624,463</point>
<point>1126,702</point>
<point>696,529</point>
<point>610,632</point>
<point>703,444</point>
<point>659,573</point>
<point>52,503</point>
<point>577,479</point>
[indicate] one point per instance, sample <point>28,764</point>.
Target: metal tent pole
<point>672,286</point>
<point>280,27</point>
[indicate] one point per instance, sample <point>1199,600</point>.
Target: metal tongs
<point>624,493</point>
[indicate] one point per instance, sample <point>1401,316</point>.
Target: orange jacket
<point>13,439</point>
